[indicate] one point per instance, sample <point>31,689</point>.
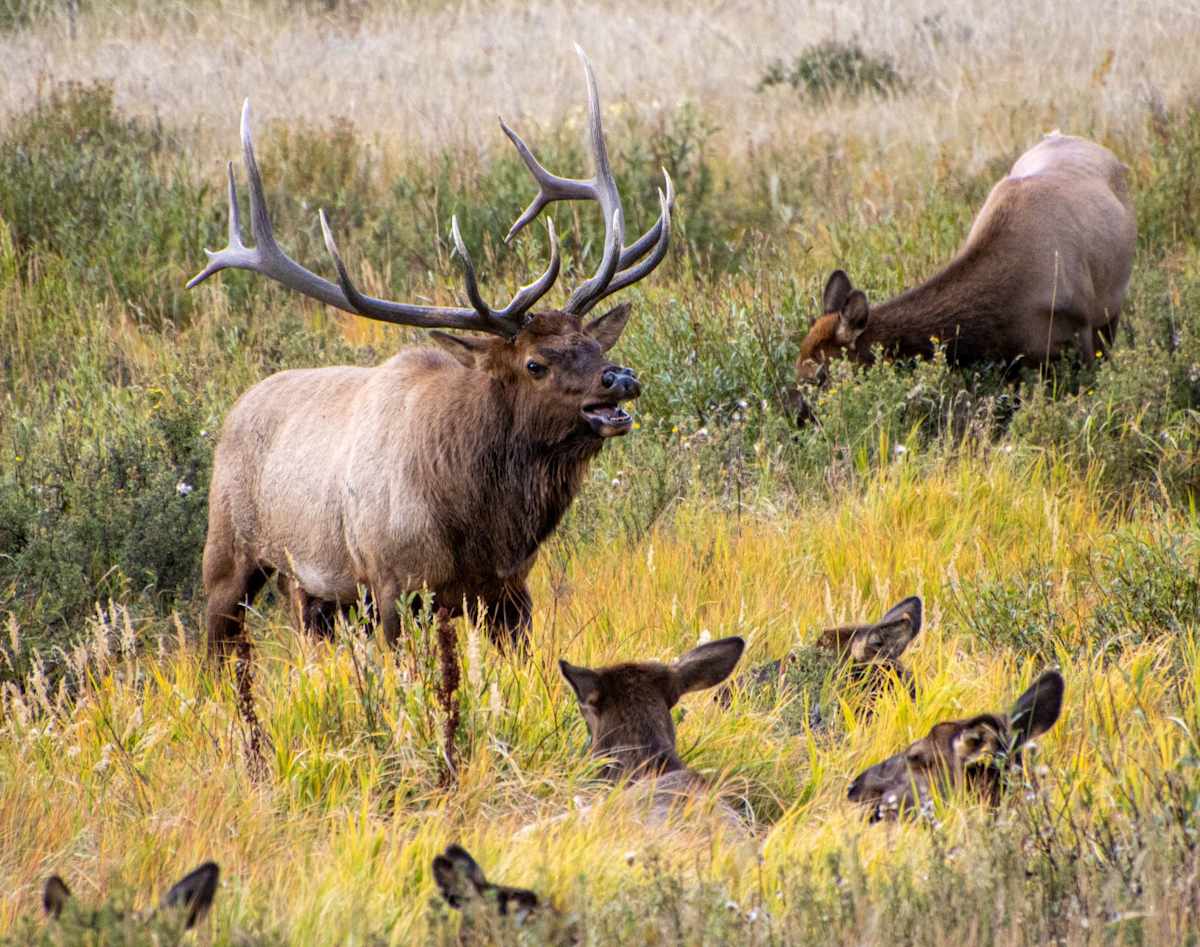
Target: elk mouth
<point>607,419</point>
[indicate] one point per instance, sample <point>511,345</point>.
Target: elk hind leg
<point>232,583</point>
<point>509,617</point>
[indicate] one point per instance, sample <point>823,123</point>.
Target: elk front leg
<point>509,617</point>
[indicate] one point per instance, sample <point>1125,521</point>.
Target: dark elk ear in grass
<point>705,666</point>
<point>606,329</point>
<point>584,681</point>
<point>458,876</point>
<point>194,892</point>
<point>896,630</point>
<point>55,895</point>
<point>1038,709</point>
<point>837,291</point>
<point>853,318</point>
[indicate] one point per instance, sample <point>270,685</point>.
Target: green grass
<point>1043,521</point>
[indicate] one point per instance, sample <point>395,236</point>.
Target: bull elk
<point>441,470</point>
<point>185,903</point>
<point>977,753</point>
<point>627,709</point>
<point>1044,270</point>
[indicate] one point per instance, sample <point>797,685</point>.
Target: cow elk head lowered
<point>977,753</point>
<point>439,472</point>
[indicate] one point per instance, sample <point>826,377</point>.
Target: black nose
<point>621,380</point>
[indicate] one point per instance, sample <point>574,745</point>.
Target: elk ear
<point>1038,709</point>
<point>837,291</point>
<point>584,681</point>
<point>194,892</point>
<point>55,895</point>
<point>458,876</point>
<point>705,666</point>
<point>466,350</point>
<point>853,317</point>
<point>606,329</point>
<point>896,630</point>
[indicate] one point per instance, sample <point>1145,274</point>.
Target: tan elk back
<point>627,709</point>
<point>1043,271</point>
<point>978,752</point>
<point>440,472</point>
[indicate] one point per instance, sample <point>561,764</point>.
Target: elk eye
<point>536,369</point>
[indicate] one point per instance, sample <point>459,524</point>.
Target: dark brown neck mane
<point>961,307</point>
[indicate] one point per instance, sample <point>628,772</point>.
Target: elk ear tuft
<point>1038,709</point>
<point>458,876</point>
<point>584,681</point>
<point>837,291</point>
<point>606,329</point>
<point>706,666</point>
<point>55,895</point>
<point>468,351</point>
<point>853,318</point>
<point>194,892</point>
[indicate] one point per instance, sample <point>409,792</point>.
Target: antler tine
<point>618,261</point>
<point>267,258</point>
<point>628,277</point>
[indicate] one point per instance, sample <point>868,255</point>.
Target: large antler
<point>266,257</point>
<point>620,266</point>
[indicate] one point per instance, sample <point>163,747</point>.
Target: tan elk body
<point>441,469</point>
<point>627,708</point>
<point>1043,271</point>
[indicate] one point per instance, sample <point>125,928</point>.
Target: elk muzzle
<point>605,416</point>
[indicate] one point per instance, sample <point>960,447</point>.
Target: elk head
<point>977,753</point>
<point>464,885</point>
<point>188,899</point>
<point>836,332</point>
<point>552,365</point>
<point>627,707</point>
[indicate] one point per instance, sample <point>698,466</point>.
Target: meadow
<point>1046,520</point>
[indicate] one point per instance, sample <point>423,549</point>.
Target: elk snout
<point>622,382</point>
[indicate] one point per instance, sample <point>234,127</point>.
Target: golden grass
<point>142,774</point>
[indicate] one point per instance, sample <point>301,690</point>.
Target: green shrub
<point>833,67</point>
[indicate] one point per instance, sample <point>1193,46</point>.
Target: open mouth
<point>607,420</point>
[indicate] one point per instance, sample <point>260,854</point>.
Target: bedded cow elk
<point>441,469</point>
<point>867,655</point>
<point>627,708</point>
<point>186,903</point>
<point>1043,271</point>
<point>978,753</point>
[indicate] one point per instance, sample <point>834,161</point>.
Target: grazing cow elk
<point>439,470</point>
<point>1044,270</point>
<point>977,753</point>
<point>627,708</point>
<point>868,654</point>
<point>187,901</point>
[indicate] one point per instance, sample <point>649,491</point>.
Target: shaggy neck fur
<point>961,306</point>
<point>499,476</point>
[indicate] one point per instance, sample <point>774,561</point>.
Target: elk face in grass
<point>866,656</point>
<point>977,753</point>
<point>182,907</point>
<point>627,707</point>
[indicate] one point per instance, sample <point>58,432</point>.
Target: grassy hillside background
<point>1044,521</point>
